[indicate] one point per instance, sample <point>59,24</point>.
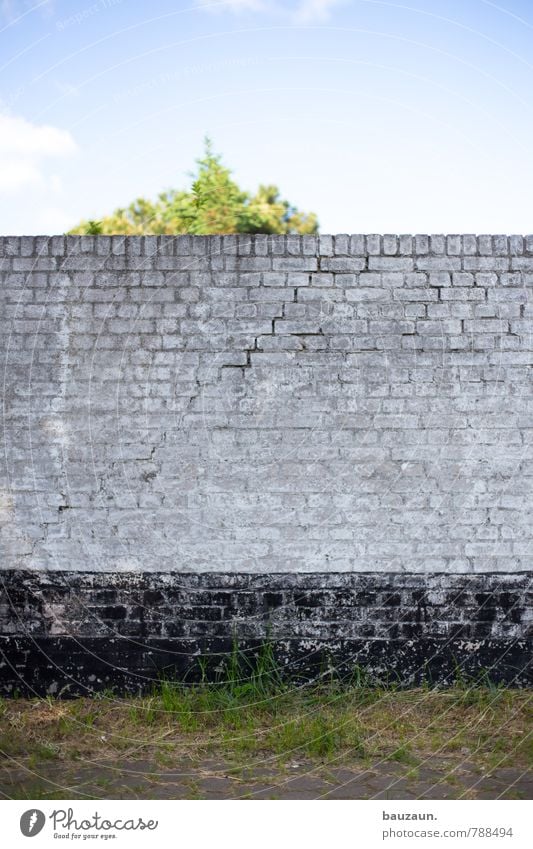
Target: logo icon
<point>32,822</point>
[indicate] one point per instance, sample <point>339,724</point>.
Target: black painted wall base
<point>73,633</point>
<point>67,666</point>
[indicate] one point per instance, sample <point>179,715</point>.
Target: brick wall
<point>270,406</point>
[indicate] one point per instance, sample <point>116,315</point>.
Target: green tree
<point>215,204</point>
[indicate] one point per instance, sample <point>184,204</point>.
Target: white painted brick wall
<point>267,404</point>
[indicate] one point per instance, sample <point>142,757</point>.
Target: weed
<point>403,755</point>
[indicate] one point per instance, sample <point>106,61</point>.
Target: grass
<point>250,719</point>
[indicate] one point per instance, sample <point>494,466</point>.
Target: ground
<point>304,742</point>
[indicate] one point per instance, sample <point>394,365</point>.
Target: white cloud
<point>52,219</point>
<point>14,175</point>
<point>56,184</point>
<point>237,5</point>
<point>231,5</point>
<point>313,11</point>
<point>302,12</point>
<point>13,10</point>
<point>67,89</point>
<point>23,147</point>
<point>8,10</point>
<point>24,138</point>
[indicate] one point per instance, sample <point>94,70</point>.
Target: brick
<point>486,326</point>
<point>421,244</point>
<point>249,263</point>
<point>390,263</point>
<point>469,245</point>
<point>437,244</point>
<point>484,245</point>
<point>295,264</point>
<point>364,294</point>
<point>500,245</point>
<point>452,326</point>
<point>520,263</point>
<point>440,278</point>
<point>357,245</point>
<point>325,245</point>
<point>406,245</point>
<point>341,245</point>
<point>342,264</point>
<point>390,245</point>
<point>486,263</point>
<point>373,245</point>
<point>436,263</point>
<point>416,294</point>
<point>454,245</point>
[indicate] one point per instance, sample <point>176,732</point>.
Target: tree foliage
<point>214,204</point>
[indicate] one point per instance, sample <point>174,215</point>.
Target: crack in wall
<point>256,348</point>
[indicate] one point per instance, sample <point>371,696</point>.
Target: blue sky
<point>410,116</point>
